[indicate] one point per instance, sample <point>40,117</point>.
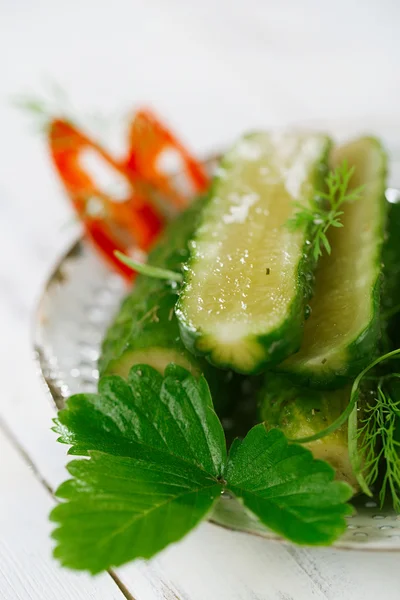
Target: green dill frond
<point>378,440</point>
<point>324,211</point>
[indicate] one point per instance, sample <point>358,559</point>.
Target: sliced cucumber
<point>146,330</point>
<point>341,335</point>
<point>248,278</point>
<point>301,412</point>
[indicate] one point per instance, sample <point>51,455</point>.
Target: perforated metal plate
<point>80,299</point>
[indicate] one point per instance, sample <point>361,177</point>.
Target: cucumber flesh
<point>301,412</point>
<point>246,283</point>
<point>341,335</point>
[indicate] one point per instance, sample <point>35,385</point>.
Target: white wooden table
<point>213,68</point>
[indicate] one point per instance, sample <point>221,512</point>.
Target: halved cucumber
<point>301,412</point>
<point>341,335</point>
<point>248,278</point>
<point>145,330</point>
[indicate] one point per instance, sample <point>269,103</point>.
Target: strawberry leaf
<point>287,489</point>
<point>156,452</point>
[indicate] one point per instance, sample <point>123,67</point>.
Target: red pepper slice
<point>135,222</point>
<point>148,139</point>
<point>121,225</point>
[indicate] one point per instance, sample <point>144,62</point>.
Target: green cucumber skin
<point>361,351</point>
<point>286,340</point>
<point>278,345</point>
<point>391,281</point>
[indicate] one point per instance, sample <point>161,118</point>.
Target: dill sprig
<point>324,211</point>
<point>378,438</point>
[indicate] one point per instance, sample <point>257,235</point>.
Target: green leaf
<point>157,452</point>
<point>287,489</point>
<point>125,418</point>
<point>325,242</point>
<point>119,509</point>
<point>157,464</point>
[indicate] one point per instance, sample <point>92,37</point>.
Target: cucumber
<point>145,330</point>
<point>301,412</point>
<point>246,283</point>
<point>341,336</point>
<point>390,304</point>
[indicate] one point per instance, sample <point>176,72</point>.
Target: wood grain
<point>27,570</point>
<point>215,563</point>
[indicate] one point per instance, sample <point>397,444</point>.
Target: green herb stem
<point>148,270</point>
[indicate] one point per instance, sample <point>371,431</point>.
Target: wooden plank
<point>215,563</point>
<point>27,570</point>
<point>356,574</point>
